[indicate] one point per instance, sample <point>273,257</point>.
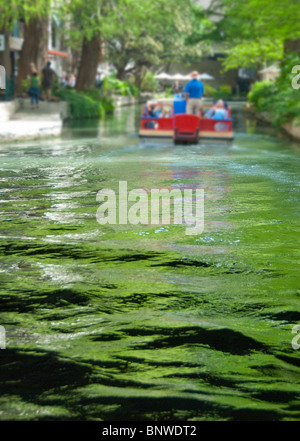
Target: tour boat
<point>175,124</point>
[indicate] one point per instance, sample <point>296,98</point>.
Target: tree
<point>34,50</point>
<point>133,34</point>
<point>34,15</point>
<point>259,30</point>
<point>157,33</point>
<point>84,21</point>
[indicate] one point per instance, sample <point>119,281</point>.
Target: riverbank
<point>18,121</point>
<point>290,129</point>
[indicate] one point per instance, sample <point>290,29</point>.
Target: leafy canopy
<point>13,10</point>
<point>255,31</point>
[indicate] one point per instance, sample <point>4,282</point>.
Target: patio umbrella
<point>273,69</point>
<point>163,76</point>
<point>180,77</point>
<point>206,76</point>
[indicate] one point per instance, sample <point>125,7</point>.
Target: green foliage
<point>202,26</point>
<point>264,18</point>
<point>168,92</point>
<point>139,33</point>
<point>261,93</point>
<point>86,104</point>
<point>25,85</point>
<point>256,30</point>
<point>11,11</point>
<point>224,92</point>
<point>278,98</point>
<point>149,82</point>
<point>112,85</point>
<point>209,91</point>
<point>56,86</point>
<point>250,53</point>
<point>97,95</point>
<point>134,90</point>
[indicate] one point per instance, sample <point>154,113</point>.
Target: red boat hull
<point>184,127</point>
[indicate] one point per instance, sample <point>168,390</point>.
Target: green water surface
<point>144,322</point>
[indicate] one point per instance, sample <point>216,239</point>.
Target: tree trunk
<point>90,57</point>
<point>33,55</point>
<point>121,72</point>
<point>138,76</point>
<point>74,61</point>
<point>292,46</point>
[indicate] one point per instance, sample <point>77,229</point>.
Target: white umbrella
<point>273,69</point>
<point>179,77</point>
<point>205,76</point>
<point>163,76</point>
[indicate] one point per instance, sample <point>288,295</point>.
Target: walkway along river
<point>128,322</point>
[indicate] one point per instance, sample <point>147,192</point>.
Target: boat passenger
<point>154,110</point>
<point>217,111</point>
<point>166,112</point>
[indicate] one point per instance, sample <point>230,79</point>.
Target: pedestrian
<point>48,76</point>
<point>72,81</point>
<point>34,90</point>
<point>193,93</point>
<point>63,80</point>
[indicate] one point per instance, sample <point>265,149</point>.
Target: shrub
<point>278,98</point>
<point>134,91</point>
<point>209,91</point>
<point>261,93</point>
<point>84,104</point>
<point>149,82</point>
<point>112,85</point>
<point>97,95</point>
<point>25,84</point>
<point>224,92</point>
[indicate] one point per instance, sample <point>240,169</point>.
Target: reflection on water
<point>123,322</point>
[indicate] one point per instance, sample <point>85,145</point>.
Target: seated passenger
<point>210,112</point>
<point>166,112</point>
<point>154,110</point>
<point>218,111</point>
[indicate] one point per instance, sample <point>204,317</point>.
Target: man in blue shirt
<point>193,94</point>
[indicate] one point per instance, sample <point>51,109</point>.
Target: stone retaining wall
<point>8,109</point>
<point>291,128</point>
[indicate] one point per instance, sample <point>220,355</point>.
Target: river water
<point>145,322</point>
